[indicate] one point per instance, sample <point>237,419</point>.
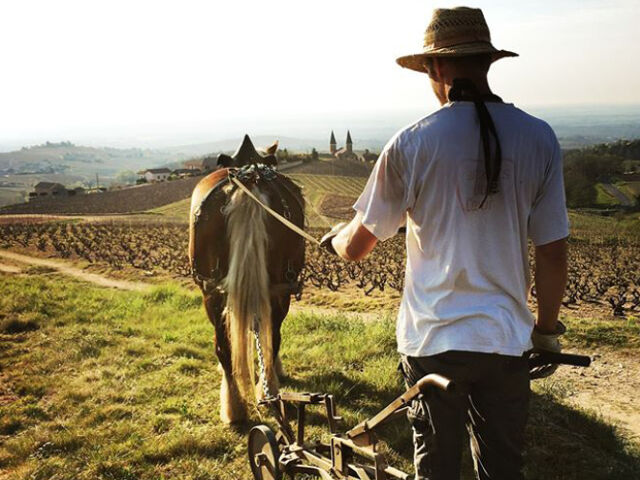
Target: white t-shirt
<point>467,275</point>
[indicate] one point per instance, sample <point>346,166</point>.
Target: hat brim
<point>417,61</point>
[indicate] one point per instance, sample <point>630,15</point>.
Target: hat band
<point>456,40</point>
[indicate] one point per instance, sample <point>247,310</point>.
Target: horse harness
<point>253,173</point>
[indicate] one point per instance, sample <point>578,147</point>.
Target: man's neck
<point>481,84</point>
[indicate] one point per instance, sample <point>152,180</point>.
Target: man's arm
<point>354,241</point>
<point>550,281</point>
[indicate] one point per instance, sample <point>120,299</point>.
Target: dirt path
<point>608,387</point>
<point>9,268</point>
<point>62,267</point>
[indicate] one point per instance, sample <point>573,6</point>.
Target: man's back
<point>467,267</point>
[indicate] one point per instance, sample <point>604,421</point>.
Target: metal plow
<point>350,455</point>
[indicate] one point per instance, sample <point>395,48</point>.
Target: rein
<point>211,282</point>
<point>273,213</point>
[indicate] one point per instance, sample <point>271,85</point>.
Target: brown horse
<point>246,263</point>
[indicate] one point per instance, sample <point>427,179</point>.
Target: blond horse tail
<point>247,287</point>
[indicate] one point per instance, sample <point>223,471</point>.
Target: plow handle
<point>435,380</point>
<point>545,358</point>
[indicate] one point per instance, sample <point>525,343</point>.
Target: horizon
<point>162,136</point>
<point>150,75</point>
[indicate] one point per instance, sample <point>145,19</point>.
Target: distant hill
<point>67,158</point>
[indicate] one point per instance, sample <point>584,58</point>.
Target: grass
<point>103,384</point>
<point>604,198</point>
<point>177,210</point>
<point>587,226</point>
<point>618,333</point>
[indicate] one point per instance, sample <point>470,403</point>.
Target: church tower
<point>333,146</point>
<point>349,142</point>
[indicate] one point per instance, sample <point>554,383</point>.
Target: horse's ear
<point>273,148</point>
<point>224,160</point>
<point>270,160</point>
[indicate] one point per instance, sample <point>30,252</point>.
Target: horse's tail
<point>247,287</point>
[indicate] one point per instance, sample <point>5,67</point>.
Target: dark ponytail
<point>463,89</point>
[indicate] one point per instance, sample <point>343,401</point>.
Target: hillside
<point>128,200</point>
<point>171,199</point>
<point>67,158</point>
<point>328,197</point>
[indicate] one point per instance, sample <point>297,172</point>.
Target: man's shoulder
<point>529,119</point>
<point>445,121</point>
<point>413,135</point>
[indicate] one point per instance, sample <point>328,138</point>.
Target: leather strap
<point>275,214</point>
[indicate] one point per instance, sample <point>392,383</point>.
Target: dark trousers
<point>491,399</point>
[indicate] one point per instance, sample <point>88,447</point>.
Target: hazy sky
<point>86,66</point>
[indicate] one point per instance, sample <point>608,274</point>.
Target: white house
<point>156,174</point>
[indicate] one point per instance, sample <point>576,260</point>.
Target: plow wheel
<point>264,454</point>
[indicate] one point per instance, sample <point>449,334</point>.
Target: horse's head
<point>247,154</point>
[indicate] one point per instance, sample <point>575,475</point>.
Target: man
<point>471,182</point>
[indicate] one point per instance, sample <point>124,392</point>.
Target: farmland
<point>317,189</point>
<point>171,198</point>
<point>98,383</point>
<point>129,200</point>
<point>101,384</point>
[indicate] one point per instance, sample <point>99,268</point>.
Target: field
<point>12,195</point>
<point>101,384</point>
<point>125,201</point>
<point>160,197</point>
<point>604,258</point>
<point>122,384</point>
<point>317,189</point>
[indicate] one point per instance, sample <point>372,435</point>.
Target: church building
<point>343,152</point>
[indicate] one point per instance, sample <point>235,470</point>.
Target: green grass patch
<point>604,198</point>
<point>124,385</point>
<point>619,333</point>
<point>177,210</point>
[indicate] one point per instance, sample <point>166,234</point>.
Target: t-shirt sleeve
<point>384,201</point>
<point>548,219</point>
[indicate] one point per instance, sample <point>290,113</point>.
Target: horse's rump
<point>238,250</point>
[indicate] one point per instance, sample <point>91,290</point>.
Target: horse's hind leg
<point>232,408</point>
<point>279,310</point>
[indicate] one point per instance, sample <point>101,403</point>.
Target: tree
<point>126,177</point>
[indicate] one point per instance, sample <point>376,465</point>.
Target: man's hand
<point>350,241</point>
<point>546,342</point>
<point>551,280</point>
<point>325,242</point>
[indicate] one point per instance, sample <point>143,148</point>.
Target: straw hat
<point>454,32</point>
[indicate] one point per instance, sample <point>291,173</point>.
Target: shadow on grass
<point>358,392</point>
<point>563,442</point>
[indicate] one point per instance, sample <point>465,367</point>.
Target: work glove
<point>325,242</point>
<point>546,342</point>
